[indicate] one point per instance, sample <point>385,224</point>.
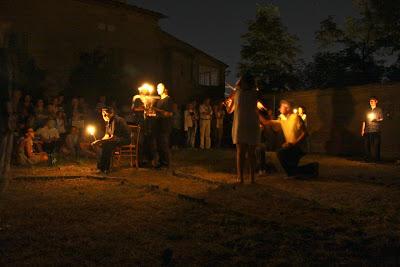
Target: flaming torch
<point>146,95</point>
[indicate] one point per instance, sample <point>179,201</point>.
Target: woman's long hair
<point>246,82</point>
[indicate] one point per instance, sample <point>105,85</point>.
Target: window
<point>208,76</point>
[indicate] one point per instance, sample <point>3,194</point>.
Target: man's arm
<point>275,124</point>
<point>380,116</point>
<point>363,128</point>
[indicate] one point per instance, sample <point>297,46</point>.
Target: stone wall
<point>335,117</point>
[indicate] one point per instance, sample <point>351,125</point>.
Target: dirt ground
<point>193,215</point>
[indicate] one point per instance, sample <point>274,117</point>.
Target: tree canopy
<point>269,51</point>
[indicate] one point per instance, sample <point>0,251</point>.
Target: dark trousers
<point>290,158</point>
<point>107,149</point>
<point>163,148</point>
<point>372,146</point>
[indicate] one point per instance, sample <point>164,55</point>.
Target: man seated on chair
<point>117,134</point>
<point>295,133</point>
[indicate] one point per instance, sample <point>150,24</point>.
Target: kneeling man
<point>295,133</point>
<point>117,134</point>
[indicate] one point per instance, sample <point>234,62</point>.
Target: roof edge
<point>195,48</point>
<point>119,4</point>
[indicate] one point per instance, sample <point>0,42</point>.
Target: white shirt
<point>205,109</point>
<point>46,133</point>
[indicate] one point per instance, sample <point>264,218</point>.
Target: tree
<point>269,51</point>
<point>365,41</point>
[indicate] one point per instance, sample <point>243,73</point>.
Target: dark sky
<point>215,26</point>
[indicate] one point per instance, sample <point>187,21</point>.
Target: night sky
<point>215,26</point>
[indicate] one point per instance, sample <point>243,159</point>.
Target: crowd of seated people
<point>49,129</point>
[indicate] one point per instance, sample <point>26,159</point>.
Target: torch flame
<point>146,88</point>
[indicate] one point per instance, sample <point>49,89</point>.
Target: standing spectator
<point>176,136</point>
<point>246,124</point>
<point>190,122</point>
<point>371,131</point>
<point>40,114</point>
<point>26,154</point>
<point>206,113</point>
<point>219,113</point>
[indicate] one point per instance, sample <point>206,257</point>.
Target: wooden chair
<point>130,151</point>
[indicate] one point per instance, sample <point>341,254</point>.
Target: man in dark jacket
<point>117,133</point>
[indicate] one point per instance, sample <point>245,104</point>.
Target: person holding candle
<point>371,131</point>
<point>117,133</point>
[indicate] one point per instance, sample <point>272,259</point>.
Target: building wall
<point>57,32</point>
<point>335,118</point>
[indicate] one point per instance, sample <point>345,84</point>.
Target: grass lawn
<point>348,216</point>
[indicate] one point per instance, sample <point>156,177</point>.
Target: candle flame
<point>371,116</point>
<point>91,130</point>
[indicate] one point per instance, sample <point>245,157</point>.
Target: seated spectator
<point>51,112</point>
<point>40,114</point>
<point>60,123</point>
<point>77,120</point>
<point>71,146</point>
<point>49,138</point>
<point>26,155</point>
<point>61,104</point>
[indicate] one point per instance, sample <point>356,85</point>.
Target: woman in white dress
<point>246,125</point>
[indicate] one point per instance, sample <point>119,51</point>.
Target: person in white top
<point>49,138</point>
<point>246,125</point>
<point>295,133</point>
<point>206,113</point>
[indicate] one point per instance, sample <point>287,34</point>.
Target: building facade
<point>57,33</point>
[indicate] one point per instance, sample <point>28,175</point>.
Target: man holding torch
<point>117,134</point>
<point>371,131</point>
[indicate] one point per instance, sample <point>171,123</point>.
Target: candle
<point>91,130</point>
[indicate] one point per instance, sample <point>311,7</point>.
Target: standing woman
<point>246,125</point>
